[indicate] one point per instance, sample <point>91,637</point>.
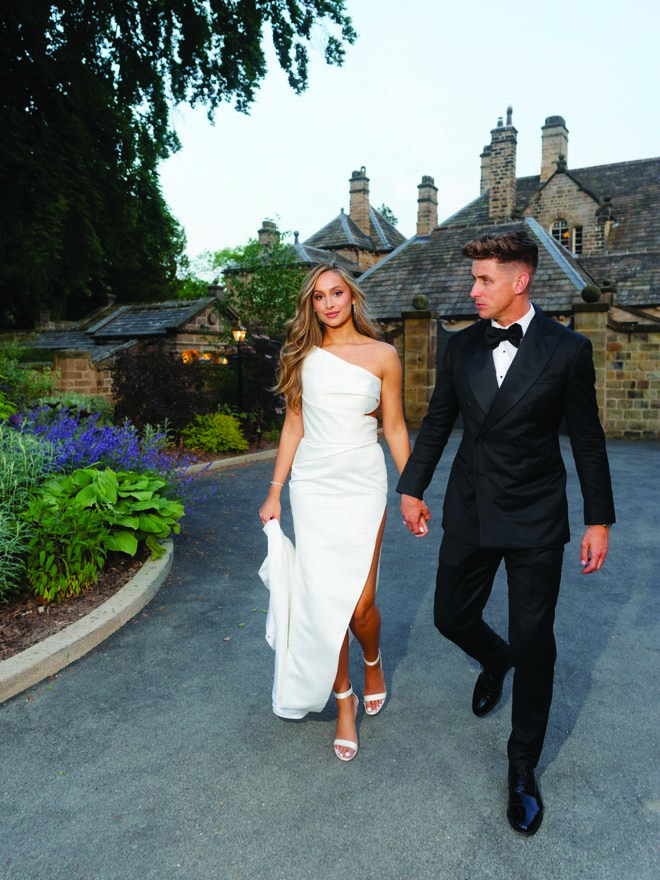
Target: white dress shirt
<point>504,353</point>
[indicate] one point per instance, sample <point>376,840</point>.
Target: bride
<point>334,374</point>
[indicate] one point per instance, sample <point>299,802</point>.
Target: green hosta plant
<point>124,507</point>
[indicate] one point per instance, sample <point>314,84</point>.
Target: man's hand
<point>593,549</point>
<point>415,515</point>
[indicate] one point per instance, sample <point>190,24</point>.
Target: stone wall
<point>626,360</point>
<point>633,385</point>
<point>76,372</point>
<point>420,359</point>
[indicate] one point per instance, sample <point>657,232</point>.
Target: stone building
<point>363,236</point>
<point>598,231</point>
<point>83,351</point>
<point>301,254</point>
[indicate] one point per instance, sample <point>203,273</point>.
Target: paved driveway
<point>157,755</point>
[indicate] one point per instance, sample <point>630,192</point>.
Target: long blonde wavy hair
<point>305,331</point>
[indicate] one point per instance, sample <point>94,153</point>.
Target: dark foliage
<point>87,92</point>
<point>154,387</point>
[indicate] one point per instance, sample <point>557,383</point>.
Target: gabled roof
<point>149,319</point>
<point>342,232</point>
<point>65,340</point>
<point>307,254</point>
<point>304,255</point>
<point>629,191</point>
<point>123,326</point>
<point>432,265</point>
<point>626,193</point>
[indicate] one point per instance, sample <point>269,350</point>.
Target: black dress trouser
<point>463,585</point>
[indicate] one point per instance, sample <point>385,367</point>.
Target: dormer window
<point>561,232</point>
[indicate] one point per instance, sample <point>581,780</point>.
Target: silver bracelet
<point>275,483</point>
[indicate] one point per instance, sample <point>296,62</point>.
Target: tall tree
<point>87,91</point>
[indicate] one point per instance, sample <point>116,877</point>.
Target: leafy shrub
<point>14,539</point>
<point>24,460</point>
<point>68,551</point>
<point>7,408</point>
<point>215,432</point>
<point>271,436</point>
<point>79,517</point>
<point>23,385</point>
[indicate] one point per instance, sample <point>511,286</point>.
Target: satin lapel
<point>536,348</point>
<point>480,370</point>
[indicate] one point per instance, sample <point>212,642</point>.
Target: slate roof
<point>432,265</point>
<point>308,254</point>
<point>628,191</point>
<point>342,232</point>
<point>124,325</point>
<point>632,188</point>
<point>148,319</point>
<point>65,340</point>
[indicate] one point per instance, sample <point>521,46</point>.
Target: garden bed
<point>25,621</point>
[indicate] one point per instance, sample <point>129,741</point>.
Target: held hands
<point>415,515</point>
<point>593,549</point>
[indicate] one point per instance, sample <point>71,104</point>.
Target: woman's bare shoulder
<point>382,357</point>
<point>385,350</point>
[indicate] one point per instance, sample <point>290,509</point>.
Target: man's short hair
<point>505,247</point>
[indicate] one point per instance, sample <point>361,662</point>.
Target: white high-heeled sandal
<point>373,697</point>
<point>346,743</point>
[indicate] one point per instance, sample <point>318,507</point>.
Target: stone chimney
<point>427,206</point>
<point>554,140</point>
<point>485,169</point>
<point>359,196</point>
<point>269,234</point>
<point>503,143</point>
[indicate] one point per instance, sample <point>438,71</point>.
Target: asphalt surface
<point>156,755</point>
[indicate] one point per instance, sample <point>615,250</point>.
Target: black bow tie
<point>495,335</point>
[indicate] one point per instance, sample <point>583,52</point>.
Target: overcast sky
<point>418,94</point>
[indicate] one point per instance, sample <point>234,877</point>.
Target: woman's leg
<point>346,708</point>
<point>365,625</point>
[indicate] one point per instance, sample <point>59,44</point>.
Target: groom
<point>513,376</point>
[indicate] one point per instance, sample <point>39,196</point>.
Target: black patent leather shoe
<point>488,691</point>
<point>525,810</point>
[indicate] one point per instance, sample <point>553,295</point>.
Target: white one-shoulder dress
<point>338,491</point>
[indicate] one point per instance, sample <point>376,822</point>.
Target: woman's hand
<point>270,509</point>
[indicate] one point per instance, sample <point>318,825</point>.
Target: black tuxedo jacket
<point>507,486</point>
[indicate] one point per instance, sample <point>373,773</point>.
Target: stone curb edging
<point>57,651</point>
<point>31,666</point>
<point>230,462</point>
